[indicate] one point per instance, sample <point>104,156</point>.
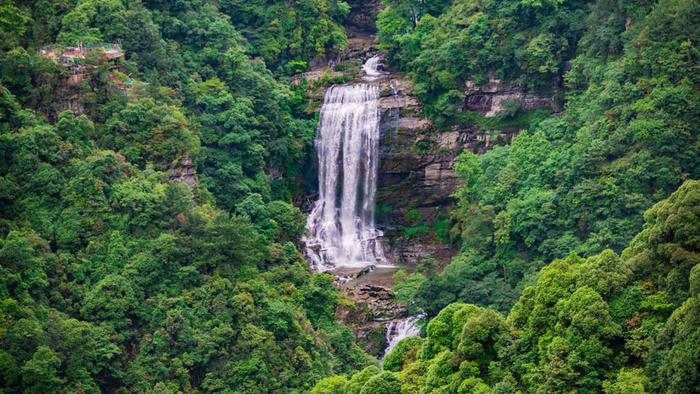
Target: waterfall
<point>371,68</point>
<point>396,330</point>
<point>340,227</point>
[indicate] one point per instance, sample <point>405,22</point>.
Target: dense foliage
<point>443,44</point>
<point>148,241</point>
<point>578,181</point>
<point>112,277</point>
<point>615,323</point>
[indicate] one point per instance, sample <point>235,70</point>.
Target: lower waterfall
<point>396,330</point>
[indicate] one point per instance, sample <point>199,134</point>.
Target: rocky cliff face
<point>489,98</point>
<point>371,305</point>
<point>184,171</point>
<point>363,14</point>
<point>416,182</point>
<point>416,176</point>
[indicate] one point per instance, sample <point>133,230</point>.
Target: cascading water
<point>341,224</point>
<point>396,330</point>
<point>371,68</point>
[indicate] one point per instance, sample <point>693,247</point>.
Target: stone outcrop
<point>363,14</point>
<point>488,99</point>
<point>185,172</point>
<point>379,301</point>
<point>471,137</point>
<point>367,309</point>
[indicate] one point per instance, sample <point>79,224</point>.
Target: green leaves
<point>279,32</point>
<point>616,323</point>
<point>39,375</point>
<point>150,131</point>
<point>24,263</point>
<point>13,25</point>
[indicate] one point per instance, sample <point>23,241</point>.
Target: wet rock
<point>366,309</point>
<point>378,300</point>
<point>372,337</point>
<point>343,276</point>
<point>365,271</point>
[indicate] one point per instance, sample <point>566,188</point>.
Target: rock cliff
<point>363,14</point>
<point>489,98</point>
<point>184,171</point>
<point>416,175</point>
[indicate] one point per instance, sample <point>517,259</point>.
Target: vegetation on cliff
<point>615,323</point>
<point>114,279</point>
<point>148,240</point>
<point>578,181</point>
<point>575,184</point>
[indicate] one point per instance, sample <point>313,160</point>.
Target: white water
<point>396,330</point>
<point>341,224</point>
<point>371,68</point>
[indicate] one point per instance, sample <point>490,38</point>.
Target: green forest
<point>156,155</point>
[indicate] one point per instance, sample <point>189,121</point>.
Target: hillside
<point>361,196</point>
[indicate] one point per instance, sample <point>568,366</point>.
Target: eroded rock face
<point>488,99</point>
<point>363,14</point>
<point>185,172</point>
<point>371,308</point>
<point>416,175</point>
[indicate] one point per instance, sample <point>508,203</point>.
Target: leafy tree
<point>578,181</point>
<point>330,385</point>
<point>14,25</point>
<point>402,354</point>
<point>358,380</point>
<point>628,381</point>
<point>40,373</point>
<point>585,324</point>
<point>383,383</point>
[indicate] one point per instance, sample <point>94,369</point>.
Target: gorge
<point>386,179</point>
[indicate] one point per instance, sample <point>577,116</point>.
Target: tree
<point>383,383</point>
<point>359,379</point>
<point>40,374</point>
<point>628,381</point>
<point>330,385</point>
<point>13,26</point>
<point>403,354</point>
